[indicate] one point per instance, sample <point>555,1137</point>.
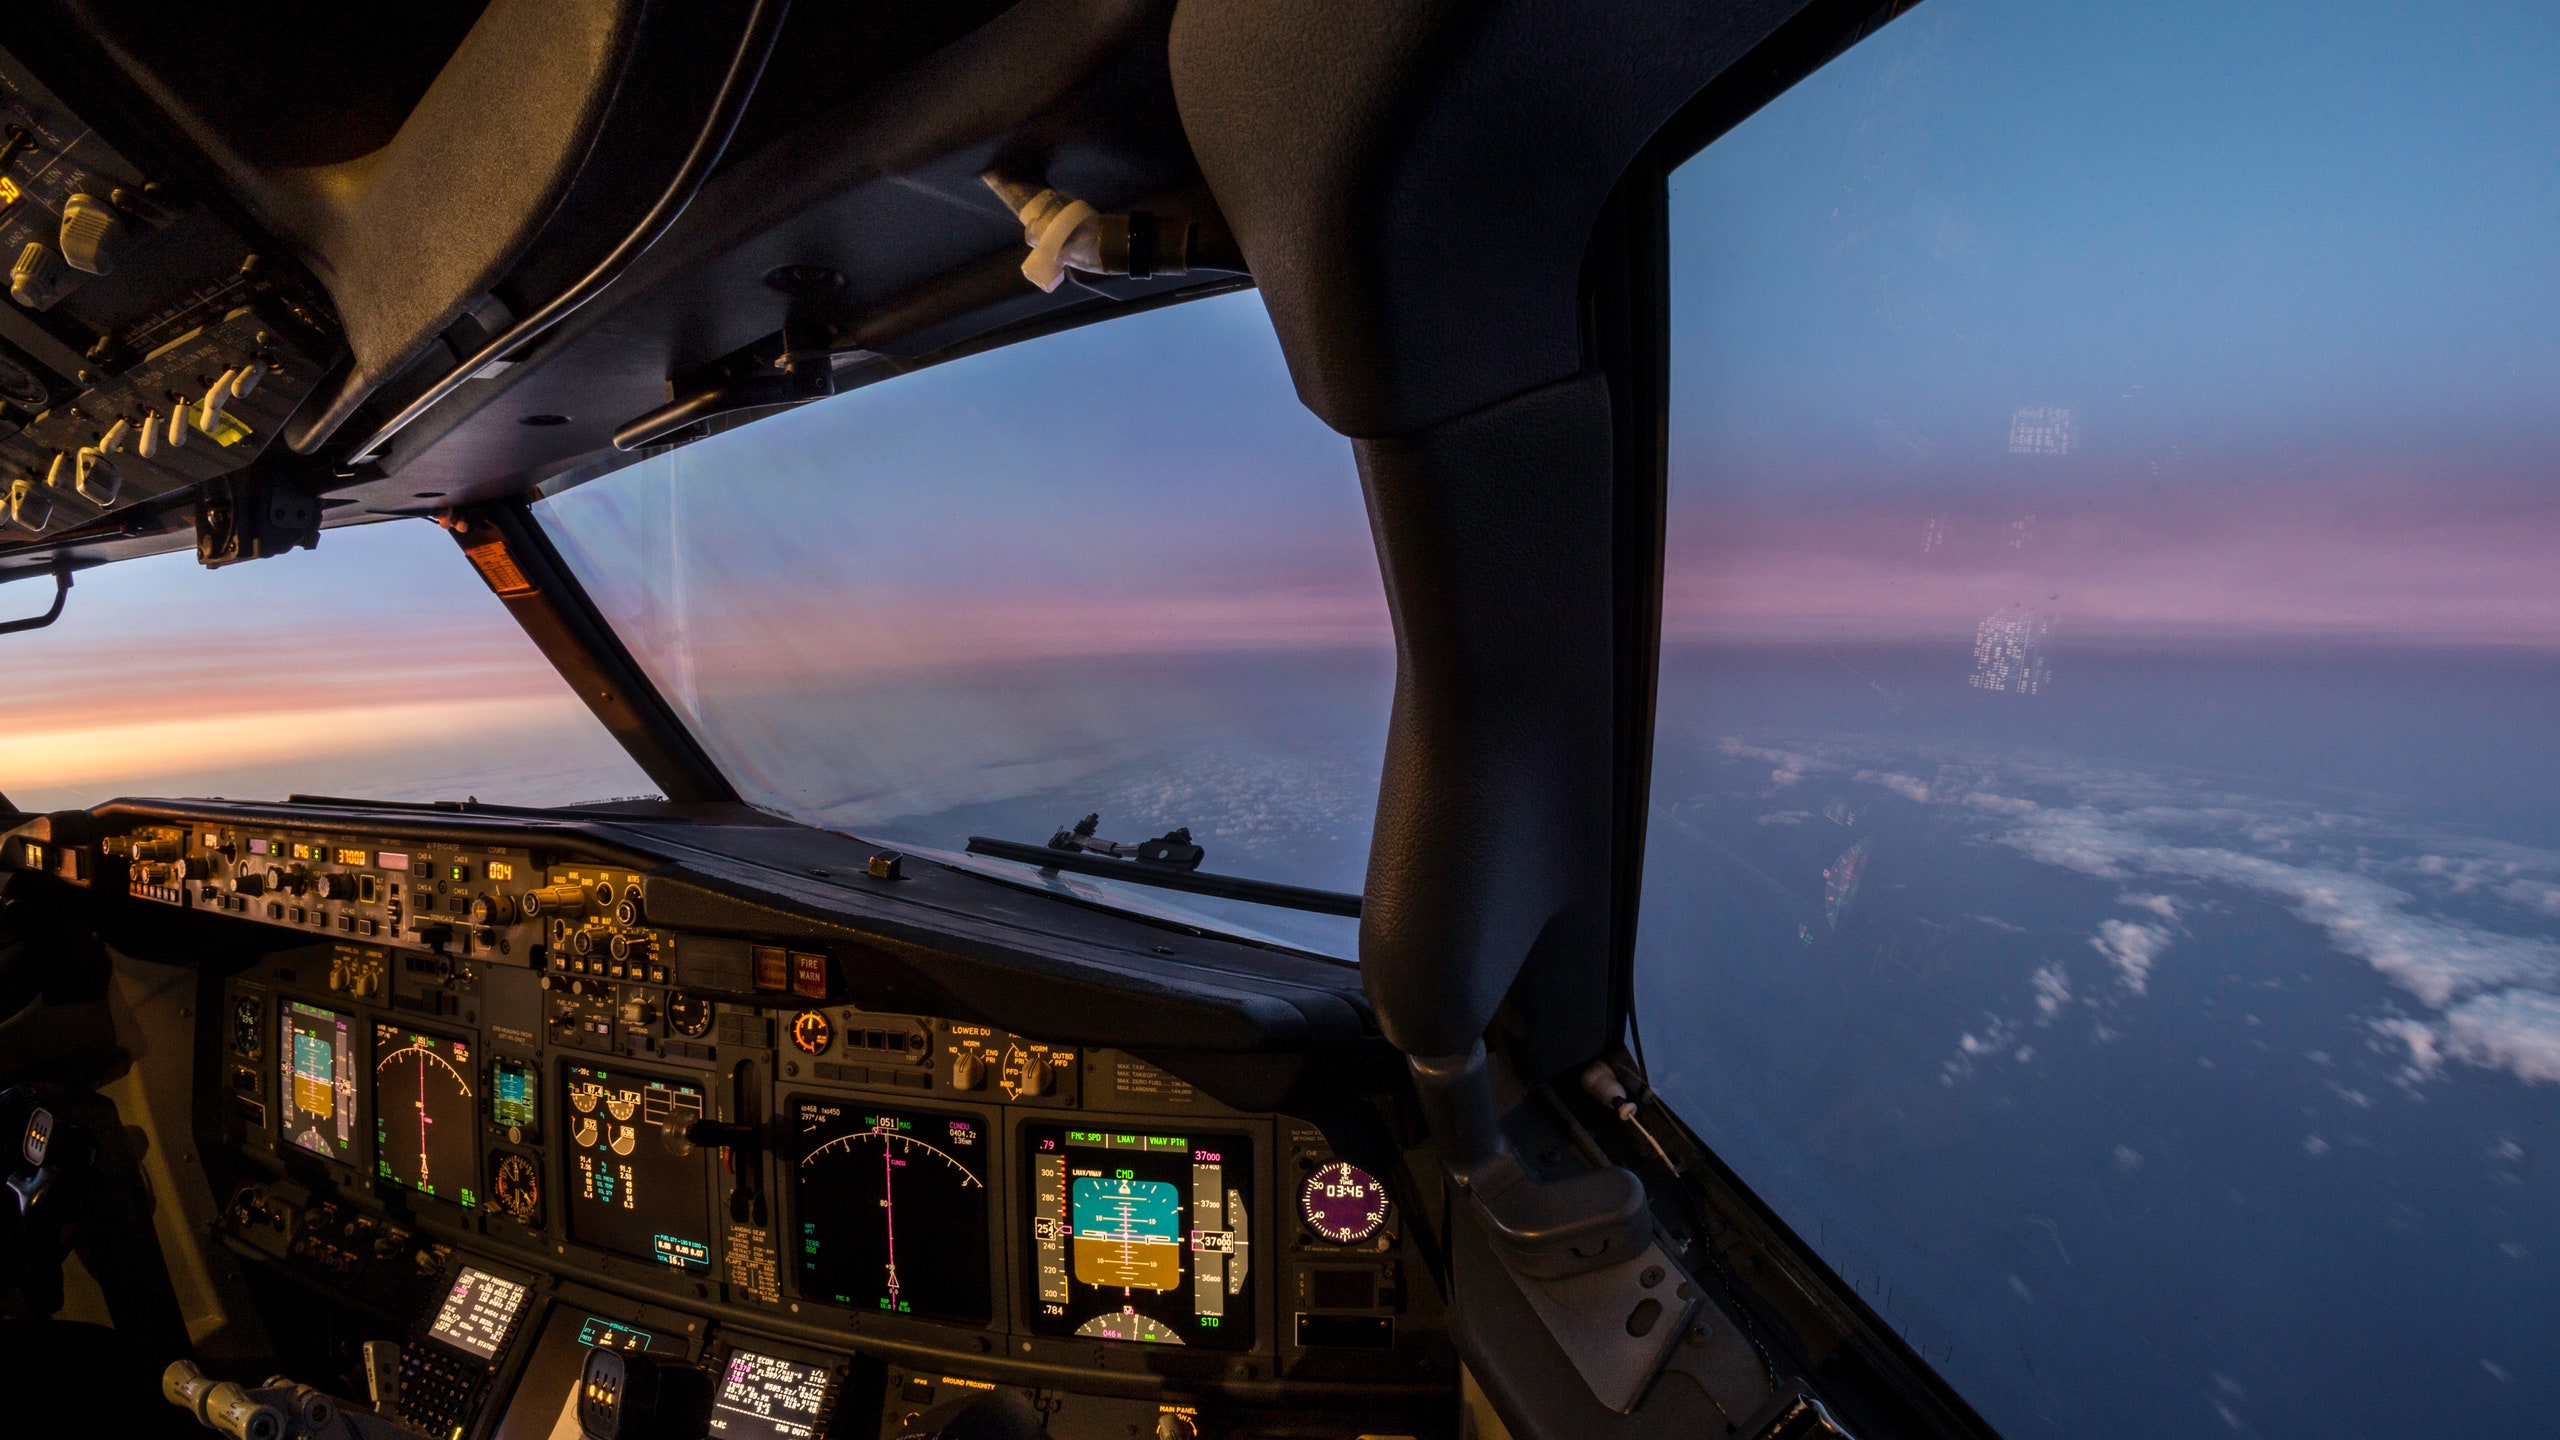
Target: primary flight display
<point>318,1093</point>
<point>1141,1235</point>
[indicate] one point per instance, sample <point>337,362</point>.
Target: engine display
<point>892,1207</point>
<point>1141,1236</point>
<point>425,1114</point>
<point>318,1094</point>
<point>628,1191</point>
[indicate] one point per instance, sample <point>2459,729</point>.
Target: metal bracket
<point>61,588</point>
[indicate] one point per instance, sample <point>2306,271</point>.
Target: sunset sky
<point>2306,340</point>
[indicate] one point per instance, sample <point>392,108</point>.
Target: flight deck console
<point>487,1093</point>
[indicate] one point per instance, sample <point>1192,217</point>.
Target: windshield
<point>377,666</point>
<point>2103,884</point>
<point>1116,571</point>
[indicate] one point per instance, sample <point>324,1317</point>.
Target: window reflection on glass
<point>1117,570</point>
<point>2104,875</point>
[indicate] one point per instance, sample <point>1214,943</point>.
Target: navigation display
<point>892,1206</point>
<point>1141,1235</point>
<point>318,1093</point>
<point>627,1191</point>
<point>425,1114</point>
<point>765,1397</point>
<point>478,1312</point>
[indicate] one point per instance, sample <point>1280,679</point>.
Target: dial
<point>1343,1203</point>
<point>812,1033</point>
<point>248,1027</point>
<point>1129,1325</point>
<point>688,1014</point>
<point>516,1184</point>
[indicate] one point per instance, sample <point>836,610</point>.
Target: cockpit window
<point>376,665</point>
<point>1116,571</point>
<point>2103,884</point>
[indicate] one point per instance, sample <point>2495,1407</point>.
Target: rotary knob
<point>249,882</point>
<point>493,910</point>
<point>333,886</point>
<point>640,1011</point>
<point>555,899</point>
<point>968,1071</point>
<point>284,881</point>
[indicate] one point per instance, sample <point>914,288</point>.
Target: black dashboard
<point>514,1084</point>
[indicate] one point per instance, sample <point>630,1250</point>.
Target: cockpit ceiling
<point>338,149</point>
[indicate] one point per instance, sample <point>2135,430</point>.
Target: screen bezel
<point>1258,1226</point>
<point>516,1323</point>
<point>373,1080</point>
<point>566,1216</point>
<point>359,1156</point>
<point>999,1219</point>
<point>835,1367</point>
<point>496,1132</point>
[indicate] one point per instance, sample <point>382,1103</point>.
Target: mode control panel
<point>462,901</point>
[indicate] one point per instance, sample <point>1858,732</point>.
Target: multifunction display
<point>629,1190</point>
<point>892,1208</point>
<point>765,1397</point>
<point>515,1096</point>
<point>1141,1235</point>
<point>425,1114</point>
<point>478,1313</point>
<point>318,1094</point>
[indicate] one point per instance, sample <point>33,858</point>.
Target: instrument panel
<point>494,1060</point>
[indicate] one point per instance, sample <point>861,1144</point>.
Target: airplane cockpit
<point>843,721</point>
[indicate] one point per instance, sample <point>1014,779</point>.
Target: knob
<point>249,882</point>
<point>30,505</point>
<point>157,847</point>
<point>626,913</point>
<point>563,899</point>
<point>1036,1078</point>
<point>93,234</point>
<point>189,867</point>
<point>334,886</point>
<point>284,881</point>
<point>583,943</point>
<point>640,1011</point>
<point>489,910</point>
<point>968,1071</point>
<point>619,946</point>
<point>39,278</point>
<point>1170,1426</point>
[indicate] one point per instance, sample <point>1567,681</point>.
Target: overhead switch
<point>93,234</point>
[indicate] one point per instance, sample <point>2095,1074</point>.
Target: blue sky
<point>2285,270</point>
